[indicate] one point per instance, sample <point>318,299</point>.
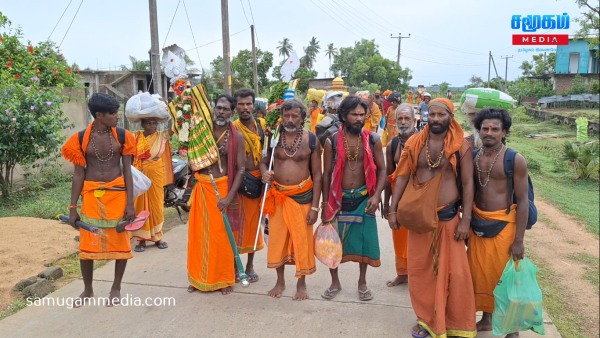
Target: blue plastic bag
<point>518,300</point>
<point>382,122</point>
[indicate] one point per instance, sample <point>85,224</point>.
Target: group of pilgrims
<point>427,184</point>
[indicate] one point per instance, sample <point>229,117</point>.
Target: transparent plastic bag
<point>328,247</point>
<point>145,105</point>
<point>141,183</point>
<point>518,300</point>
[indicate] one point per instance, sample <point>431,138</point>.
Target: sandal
<point>136,224</point>
<point>140,247</point>
<point>332,293</point>
<point>364,299</point>
<point>162,245</point>
<point>421,329</point>
<point>252,275</point>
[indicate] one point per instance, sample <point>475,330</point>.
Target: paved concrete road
<point>245,313</point>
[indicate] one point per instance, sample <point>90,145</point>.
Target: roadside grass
<point>13,308</point>
<point>556,302</point>
<point>590,114</point>
<point>591,266</point>
<point>47,203</point>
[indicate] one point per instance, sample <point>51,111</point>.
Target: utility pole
<point>489,68</point>
<point>155,52</point>
<point>226,62</point>
<point>254,62</point>
<point>506,71</point>
<point>399,37</point>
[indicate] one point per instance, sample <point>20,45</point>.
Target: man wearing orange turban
<point>434,178</point>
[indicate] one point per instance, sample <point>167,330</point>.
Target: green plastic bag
<point>518,300</point>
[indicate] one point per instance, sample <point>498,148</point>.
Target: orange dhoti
<point>488,256</point>
<point>400,239</point>
<point>290,238</point>
<point>104,209</point>
<point>210,256</point>
<point>249,214</point>
<point>443,307</point>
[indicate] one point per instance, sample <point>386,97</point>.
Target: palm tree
<point>285,48</point>
<point>331,52</point>
<point>307,60</point>
<point>137,64</point>
<point>311,53</point>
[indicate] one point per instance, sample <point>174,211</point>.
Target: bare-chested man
<point>354,178</point>
<point>210,256</point>
<point>500,237</point>
<point>107,192</point>
<point>249,203</point>
<point>440,287</point>
<point>405,122</point>
<point>293,200</point>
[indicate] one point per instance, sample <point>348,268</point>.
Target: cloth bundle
<point>143,106</point>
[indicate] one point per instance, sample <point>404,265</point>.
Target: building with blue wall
<point>576,58</point>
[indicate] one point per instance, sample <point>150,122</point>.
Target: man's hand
<point>73,217</point>
<point>312,216</point>
<point>462,230</point>
<point>517,250</point>
<point>129,213</point>
<point>267,177</point>
<point>372,204</point>
<point>393,222</point>
<point>224,204</point>
<point>385,211</point>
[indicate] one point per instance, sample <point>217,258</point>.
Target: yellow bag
<point>384,138</point>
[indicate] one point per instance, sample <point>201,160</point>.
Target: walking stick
<point>236,254</point>
<point>274,142</point>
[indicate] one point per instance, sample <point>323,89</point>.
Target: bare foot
<point>485,324</point>
<point>80,301</point>
<point>191,289</point>
<point>397,281</point>
<point>512,335</point>
<point>419,330</point>
<point>115,298</point>
<point>277,290</point>
<point>301,293</point>
<point>227,290</point>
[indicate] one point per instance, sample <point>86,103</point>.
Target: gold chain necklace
<point>433,165</point>
<point>351,157</point>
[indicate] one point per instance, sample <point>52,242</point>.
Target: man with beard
<point>405,122</point>
<point>378,100</point>
<point>498,226</point>
<point>354,178</point>
<point>249,204</point>
<point>293,201</point>
<point>210,256</point>
<point>435,166</point>
<point>373,115</point>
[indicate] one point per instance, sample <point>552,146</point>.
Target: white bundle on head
<point>144,106</point>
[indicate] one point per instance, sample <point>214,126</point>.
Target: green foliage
<point>520,89</point>
<point>310,53</point>
<point>41,204</point>
<point>242,67</point>
<point>589,23</point>
<point>304,74</point>
<point>476,81</point>
<point>540,64</point>
<point>363,62</point>
<point>579,86</point>
<point>444,86</point>
<point>582,158</point>
<point>519,114</point>
<point>285,48</point>
<point>277,91</point>
<point>371,87</point>
<point>136,64</point>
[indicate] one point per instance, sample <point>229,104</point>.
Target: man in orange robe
<point>373,115</point>
<point>107,193</point>
<point>425,200</point>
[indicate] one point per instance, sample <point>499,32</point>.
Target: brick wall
<point>320,83</point>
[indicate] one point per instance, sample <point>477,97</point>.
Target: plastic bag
<point>143,106</point>
<point>141,183</point>
<point>328,247</point>
<point>518,300</point>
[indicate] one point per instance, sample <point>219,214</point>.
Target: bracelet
<point>73,206</point>
<point>391,213</point>
<point>315,209</point>
<point>324,202</point>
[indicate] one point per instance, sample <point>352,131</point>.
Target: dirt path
<point>555,239</point>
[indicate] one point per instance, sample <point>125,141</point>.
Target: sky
<point>449,40</point>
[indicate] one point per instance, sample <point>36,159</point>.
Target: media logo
<point>531,23</point>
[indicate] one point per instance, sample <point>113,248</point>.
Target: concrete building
<point>572,59</point>
<point>121,84</point>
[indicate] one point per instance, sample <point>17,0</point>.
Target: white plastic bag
<point>141,183</point>
<point>143,106</point>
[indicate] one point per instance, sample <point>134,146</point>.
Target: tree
<point>371,87</point>
<point>444,87</point>
<point>285,48</point>
<point>589,24</point>
<point>136,64</point>
<point>363,62</point>
<point>476,81</point>
<point>331,52</point>
<point>242,67</point>
<point>30,101</point>
<point>540,64</point>
<point>213,79</point>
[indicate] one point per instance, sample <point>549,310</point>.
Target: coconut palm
<point>137,64</point>
<point>310,53</point>
<point>307,60</point>
<point>331,52</point>
<point>285,48</point>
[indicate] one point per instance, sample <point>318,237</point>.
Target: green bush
<point>520,89</point>
<point>519,114</point>
<point>582,158</point>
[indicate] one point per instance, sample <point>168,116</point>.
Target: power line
<point>193,38</point>
<point>206,44</point>
<point>243,9</point>
<point>74,16</point>
<point>171,25</point>
<point>59,19</point>
<point>255,32</point>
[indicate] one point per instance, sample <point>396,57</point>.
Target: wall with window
<point>573,58</point>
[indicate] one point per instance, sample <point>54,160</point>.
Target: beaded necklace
<point>488,172</point>
<point>295,146</point>
<point>100,157</point>
<point>433,165</point>
<point>351,157</point>
<point>224,137</point>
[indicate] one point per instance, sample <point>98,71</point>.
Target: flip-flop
<point>330,291</point>
<point>142,248</point>
<point>163,246</point>
<point>426,334</point>
<point>364,293</point>
<point>136,224</point>
<point>252,275</point>
<point>237,277</point>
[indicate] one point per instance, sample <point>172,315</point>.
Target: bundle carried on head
<point>194,126</point>
<point>146,106</point>
<point>279,92</point>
